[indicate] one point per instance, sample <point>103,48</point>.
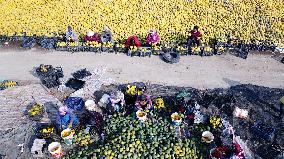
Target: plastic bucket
<point>67,135</point>
<point>176,119</point>
<point>207,137</point>
<point>142,116</point>
<point>55,149</point>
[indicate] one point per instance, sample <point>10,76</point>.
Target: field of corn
<point>248,20</point>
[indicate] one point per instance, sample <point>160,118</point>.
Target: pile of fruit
<point>7,83</point>
<point>215,121</point>
<point>248,20</point>
<point>126,137</point>
<point>35,110</point>
<point>83,138</point>
<point>93,44</point>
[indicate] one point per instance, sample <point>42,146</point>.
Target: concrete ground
<point>194,71</point>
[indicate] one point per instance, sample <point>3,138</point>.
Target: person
<point>94,116</point>
<point>66,119</point>
<point>195,37</point>
<point>71,35</point>
<point>132,41</point>
<point>153,37</point>
<point>143,102</point>
<point>117,101</point>
<point>91,36</point>
<point>106,35</point>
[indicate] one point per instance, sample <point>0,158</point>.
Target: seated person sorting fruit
<point>195,37</point>
<point>91,36</point>
<point>132,41</point>
<point>71,35</point>
<point>66,119</point>
<point>153,37</point>
<point>106,36</point>
<point>117,101</point>
<point>143,102</point>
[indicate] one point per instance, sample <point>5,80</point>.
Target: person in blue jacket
<point>66,118</point>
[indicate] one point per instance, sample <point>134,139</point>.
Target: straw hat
<point>90,33</point>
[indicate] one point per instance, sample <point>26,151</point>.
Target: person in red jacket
<point>91,36</point>
<point>195,37</point>
<point>132,41</point>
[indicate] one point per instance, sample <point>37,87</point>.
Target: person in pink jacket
<point>153,37</point>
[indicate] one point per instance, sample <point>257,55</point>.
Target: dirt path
<point>198,72</point>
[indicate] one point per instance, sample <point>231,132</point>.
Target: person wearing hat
<point>70,35</point>
<point>132,41</point>
<point>66,118</point>
<point>143,102</point>
<point>117,101</point>
<point>94,115</point>
<point>91,36</point>
<point>153,37</point>
<point>106,35</point>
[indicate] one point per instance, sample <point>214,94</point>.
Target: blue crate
<point>75,103</point>
<point>263,131</point>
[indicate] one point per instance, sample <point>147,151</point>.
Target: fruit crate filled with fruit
<point>120,48</point>
<point>156,50</point>
<point>93,46</point>
<point>108,47</point>
<point>182,49</point>
<point>141,52</point>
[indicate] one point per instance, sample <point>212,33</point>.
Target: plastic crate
<point>263,131</point>
<point>75,103</point>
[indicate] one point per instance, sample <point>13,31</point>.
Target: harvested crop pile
<point>125,136</point>
<point>248,19</point>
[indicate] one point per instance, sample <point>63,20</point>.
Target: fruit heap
<point>128,138</point>
<point>248,19</point>
<point>83,138</point>
<point>35,110</point>
<point>215,121</point>
<point>7,83</point>
<point>158,103</point>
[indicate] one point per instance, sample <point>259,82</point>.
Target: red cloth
<point>195,34</point>
<point>137,43</point>
<point>95,37</point>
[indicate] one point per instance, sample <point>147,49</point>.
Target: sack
<point>75,103</point>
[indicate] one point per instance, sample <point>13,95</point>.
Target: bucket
<point>67,135</point>
<point>176,119</point>
<point>207,137</point>
<point>142,116</point>
<point>55,149</point>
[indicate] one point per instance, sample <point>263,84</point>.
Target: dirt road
<point>198,72</point>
